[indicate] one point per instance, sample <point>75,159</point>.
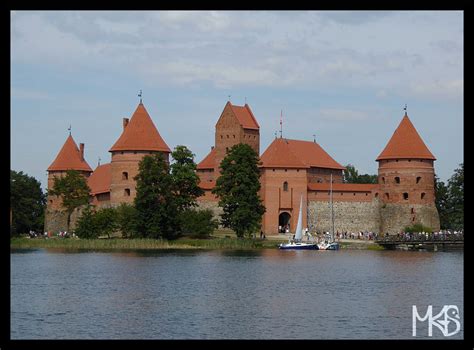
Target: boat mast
<point>332,211</point>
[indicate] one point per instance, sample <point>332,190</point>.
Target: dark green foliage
<point>27,203</point>
<point>197,222</point>
<point>450,200</point>
<point>418,228</point>
<point>73,190</point>
<point>185,180</point>
<point>86,225</point>
<point>351,175</point>
<point>127,220</point>
<point>106,220</point>
<point>157,208</point>
<point>238,191</point>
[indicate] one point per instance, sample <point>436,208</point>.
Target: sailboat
<point>297,243</point>
<point>329,243</point>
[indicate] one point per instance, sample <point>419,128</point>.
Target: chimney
<point>125,123</point>
<point>212,147</point>
<point>81,148</point>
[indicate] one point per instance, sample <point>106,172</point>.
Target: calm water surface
<point>264,294</point>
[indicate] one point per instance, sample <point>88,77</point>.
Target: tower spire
<point>140,95</point>
<point>69,129</point>
<point>405,109</point>
<point>281,123</point>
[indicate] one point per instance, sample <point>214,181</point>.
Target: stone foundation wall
<point>348,216</point>
<point>56,220</point>
<point>395,217</point>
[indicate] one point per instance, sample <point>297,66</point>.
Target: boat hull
<point>298,246</point>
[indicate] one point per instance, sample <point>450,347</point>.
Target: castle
<point>289,169</point>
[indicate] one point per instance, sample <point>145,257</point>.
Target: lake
<point>229,294</point>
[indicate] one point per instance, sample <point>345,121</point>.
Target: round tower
<point>70,157</point>
<point>139,138</point>
<point>406,181</point>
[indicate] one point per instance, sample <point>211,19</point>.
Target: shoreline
<point>181,243</point>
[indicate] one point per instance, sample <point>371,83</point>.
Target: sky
<point>341,77</point>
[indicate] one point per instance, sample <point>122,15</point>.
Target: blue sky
<point>340,75</point>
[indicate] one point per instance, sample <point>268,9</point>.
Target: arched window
<point>383,179</point>
<point>423,194</point>
<point>418,179</point>
<point>387,196</point>
<point>377,195</point>
<point>126,192</point>
<point>124,175</point>
<point>285,186</point>
<point>405,195</point>
<point>397,179</point>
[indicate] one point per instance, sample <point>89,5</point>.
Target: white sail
<point>299,226</point>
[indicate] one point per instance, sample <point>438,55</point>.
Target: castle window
<point>222,136</point>
<point>354,193</point>
<point>405,195</point>
<point>126,192</point>
<point>227,136</point>
<point>273,169</point>
<point>423,195</point>
<point>413,210</point>
<point>234,136</point>
<point>377,195</point>
<point>50,201</point>
<point>286,170</point>
<point>285,186</point>
<point>418,179</point>
<point>124,175</point>
<point>397,179</point>
<point>383,179</point>
<point>387,196</point>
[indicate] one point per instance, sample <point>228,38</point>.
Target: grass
<point>221,239</point>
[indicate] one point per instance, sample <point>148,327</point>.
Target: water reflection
<point>227,294</point>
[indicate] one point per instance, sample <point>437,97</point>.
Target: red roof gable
<point>140,134</point>
<point>245,116</point>
<point>297,154</point>
<point>100,179</point>
<point>405,143</point>
<point>69,158</point>
<point>209,161</point>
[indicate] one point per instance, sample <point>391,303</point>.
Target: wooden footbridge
<point>422,241</point>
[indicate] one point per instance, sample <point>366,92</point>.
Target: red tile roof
<point>140,134</point>
<point>342,187</point>
<point>100,179</point>
<point>245,116</point>
<point>69,158</point>
<point>285,153</point>
<point>207,185</point>
<point>406,143</point>
<point>209,161</point>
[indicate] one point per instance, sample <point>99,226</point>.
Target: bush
<point>127,220</point>
<point>418,228</point>
<point>86,225</point>
<point>197,222</point>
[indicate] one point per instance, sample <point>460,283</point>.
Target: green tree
<point>442,203</point>
<point>106,221</point>
<point>238,190</point>
<point>351,175</point>
<point>27,203</point>
<point>198,222</point>
<point>73,190</point>
<point>456,198</point>
<point>127,219</point>
<point>86,225</point>
<point>185,180</point>
<point>157,209</point>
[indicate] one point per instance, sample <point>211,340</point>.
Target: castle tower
<point>236,124</point>
<point>406,181</point>
<point>70,157</point>
<point>139,138</point>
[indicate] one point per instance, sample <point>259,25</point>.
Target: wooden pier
<point>442,242</point>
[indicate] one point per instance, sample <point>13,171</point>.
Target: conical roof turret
<point>69,158</point>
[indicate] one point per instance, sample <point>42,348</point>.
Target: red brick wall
<point>54,202</point>
<point>408,171</point>
<point>126,161</point>
<point>341,196</point>
<point>322,175</point>
<point>276,200</point>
